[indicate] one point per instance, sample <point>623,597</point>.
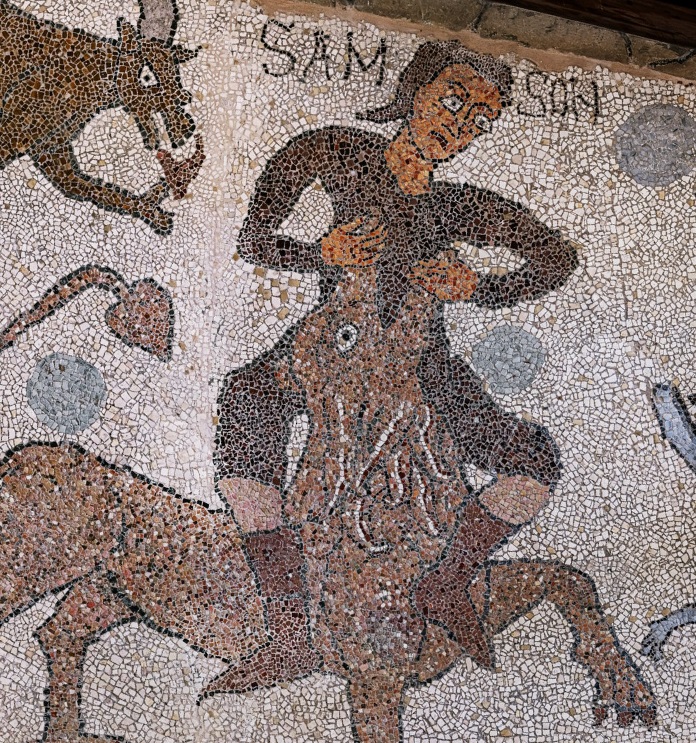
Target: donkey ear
<point>128,35</point>
<point>182,54</point>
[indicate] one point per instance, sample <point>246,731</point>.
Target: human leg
<point>526,462</point>
<point>278,563</point>
<point>442,594</point>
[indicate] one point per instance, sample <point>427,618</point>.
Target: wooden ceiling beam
<point>673,22</point>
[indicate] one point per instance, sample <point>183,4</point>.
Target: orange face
<point>453,109</point>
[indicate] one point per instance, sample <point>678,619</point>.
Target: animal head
<point>376,452</point>
<point>344,356</point>
<point>148,79</point>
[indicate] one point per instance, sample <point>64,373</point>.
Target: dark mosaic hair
<point>427,63</point>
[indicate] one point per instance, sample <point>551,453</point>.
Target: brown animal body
<point>377,501</point>
<point>54,80</point>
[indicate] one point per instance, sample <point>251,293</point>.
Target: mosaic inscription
<point>372,422</point>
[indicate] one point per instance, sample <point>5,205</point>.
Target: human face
<point>453,109</point>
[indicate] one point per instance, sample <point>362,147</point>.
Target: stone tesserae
<point>347,385</point>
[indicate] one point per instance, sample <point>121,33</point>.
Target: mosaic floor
<point>347,385</point>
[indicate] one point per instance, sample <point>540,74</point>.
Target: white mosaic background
<point>625,509</point>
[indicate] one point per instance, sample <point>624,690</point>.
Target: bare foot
<point>289,655</point>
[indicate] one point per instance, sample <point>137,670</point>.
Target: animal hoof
<point>621,687</point>
<point>649,716</point>
<point>624,717</point>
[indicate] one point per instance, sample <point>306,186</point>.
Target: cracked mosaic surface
<point>347,385</point>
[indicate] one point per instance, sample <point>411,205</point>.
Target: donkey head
<point>148,74</point>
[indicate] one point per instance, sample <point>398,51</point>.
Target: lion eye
<point>346,337</point>
<point>453,103</point>
<point>147,77</point>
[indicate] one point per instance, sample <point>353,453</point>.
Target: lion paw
<point>620,686</point>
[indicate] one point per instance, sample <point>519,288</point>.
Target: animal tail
<point>675,422</point>
<point>58,296</point>
<point>142,316</point>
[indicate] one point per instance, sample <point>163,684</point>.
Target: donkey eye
<point>346,337</point>
<point>483,123</point>
<point>147,77</point>
<point>453,103</point>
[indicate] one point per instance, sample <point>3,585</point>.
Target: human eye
<point>453,103</point>
<point>483,122</point>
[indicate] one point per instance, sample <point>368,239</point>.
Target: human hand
<point>357,243</point>
<point>448,278</point>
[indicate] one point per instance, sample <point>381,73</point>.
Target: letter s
<point>271,47</point>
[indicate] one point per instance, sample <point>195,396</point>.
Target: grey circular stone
<point>66,392</point>
<point>657,144</point>
<point>508,358</point>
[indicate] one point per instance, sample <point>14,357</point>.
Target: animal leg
<point>506,591</point>
<point>375,696</point>
<point>59,510</point>
<point>278,562</point>
<point>89,609</point>
<point>59,165</point>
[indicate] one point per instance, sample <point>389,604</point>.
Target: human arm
<point>312,156</point>
<point>287,174</point>
<point>483,218</point>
